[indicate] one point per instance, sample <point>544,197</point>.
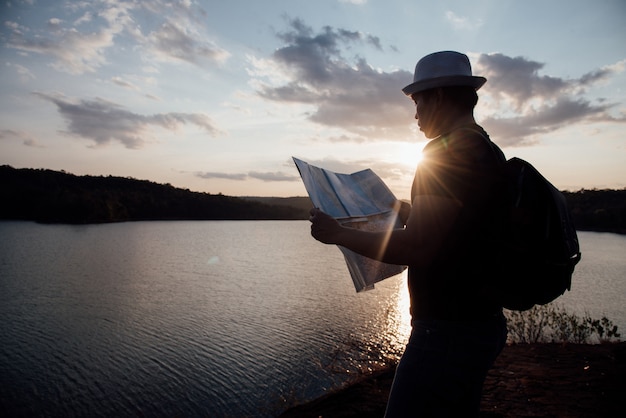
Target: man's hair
<point>460,97</point>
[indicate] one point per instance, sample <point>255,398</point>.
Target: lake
<point>214,318</point>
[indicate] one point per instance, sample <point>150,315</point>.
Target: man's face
<point>425,109</point>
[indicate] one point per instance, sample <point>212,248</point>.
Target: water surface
<point>219,319</point>
<point>176,318</point>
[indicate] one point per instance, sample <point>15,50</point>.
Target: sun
<point>409,155</point>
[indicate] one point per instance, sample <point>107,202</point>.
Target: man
<point>457,328</point>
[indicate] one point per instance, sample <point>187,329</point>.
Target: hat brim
<point>456,80</point>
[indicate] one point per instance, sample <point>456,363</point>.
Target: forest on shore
<point>49,196</point>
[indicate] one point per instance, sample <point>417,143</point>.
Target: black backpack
<point>537,248</point>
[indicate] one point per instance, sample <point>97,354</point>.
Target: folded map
<point>359,200</point>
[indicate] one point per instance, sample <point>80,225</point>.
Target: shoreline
<point>527,380</point>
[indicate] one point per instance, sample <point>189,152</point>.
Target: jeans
<point>443,368</point>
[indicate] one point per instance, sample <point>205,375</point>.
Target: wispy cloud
<point>103,122</point>
<point>357,2</point>
<point>26,138</point>
<point>81,46</point>
<point>172,42</point>
<point>462,22</point>
<point>73,52</point>
<point>24,73</point>
<point>218,175</point>
<point>264,176</point>
<point>273,176</point>
<point>124,83</point>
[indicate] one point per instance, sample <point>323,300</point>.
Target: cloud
<point>73,52</point>
<point>123,83</point>
<point>217,175</point>
<point>178,36</point>
<point>54,23</point>
<point>85,18</point>
<point>462,23</point>
<point>347,93</point>
<point>525,104</point>
<point>24,73</point>
<point>518,79</point>
<point>264,176</point>
<point>389,170</point>
<point>103,122</point>
<point>180,11</point>
<point>81,46</point>
<point>27,139</point>
<point>273,176</point>
<point>356,2</point>
<point>173,42</point>
<point>603,74</point>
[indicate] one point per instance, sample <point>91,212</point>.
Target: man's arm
<point>429,222</point>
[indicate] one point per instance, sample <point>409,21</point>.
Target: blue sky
<point>216,96</point>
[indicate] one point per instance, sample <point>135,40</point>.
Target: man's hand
<point>417,244</point>
<point>324,227</point>
<point>403,209</point>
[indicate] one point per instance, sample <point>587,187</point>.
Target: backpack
<point>538,248</point>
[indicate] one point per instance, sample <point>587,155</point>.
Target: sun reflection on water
<point>385,333</point>
<point>399,317</point>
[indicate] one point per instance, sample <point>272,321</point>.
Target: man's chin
<point>428,134</point>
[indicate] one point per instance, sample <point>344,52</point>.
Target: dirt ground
<point>528,380</point>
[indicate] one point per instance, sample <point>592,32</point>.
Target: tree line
<point>59,197</point>
<point>598,210</point>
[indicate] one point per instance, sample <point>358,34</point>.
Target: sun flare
<point>410,155</point>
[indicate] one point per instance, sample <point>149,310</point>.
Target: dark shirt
<point>463,165</point>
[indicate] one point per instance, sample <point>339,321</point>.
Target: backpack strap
<point>489,205</point>
<point>496,151</point>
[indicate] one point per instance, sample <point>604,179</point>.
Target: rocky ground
<point>528,380</point>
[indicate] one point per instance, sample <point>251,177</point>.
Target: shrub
<point>551,323</point>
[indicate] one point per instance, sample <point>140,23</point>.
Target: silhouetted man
<point>457,330</point>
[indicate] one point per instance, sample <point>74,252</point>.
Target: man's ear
<point>438,97</point>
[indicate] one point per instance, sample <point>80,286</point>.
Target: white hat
<point>445,68</point>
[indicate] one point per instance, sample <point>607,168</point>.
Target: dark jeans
<point>443,368</point>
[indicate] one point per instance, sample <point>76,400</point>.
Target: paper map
<point>359,200</point>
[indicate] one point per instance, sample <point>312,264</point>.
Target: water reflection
<point>383,338</point>
<point>200,318</point>
<point>399,320</point>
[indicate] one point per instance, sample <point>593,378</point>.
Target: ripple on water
<point>131,319</point>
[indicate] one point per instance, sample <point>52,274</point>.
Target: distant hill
<point>59,197</point>
<point>302,203</point>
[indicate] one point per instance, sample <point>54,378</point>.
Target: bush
<point>551,323</point>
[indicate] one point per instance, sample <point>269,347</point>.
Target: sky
<point>217,95</point>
